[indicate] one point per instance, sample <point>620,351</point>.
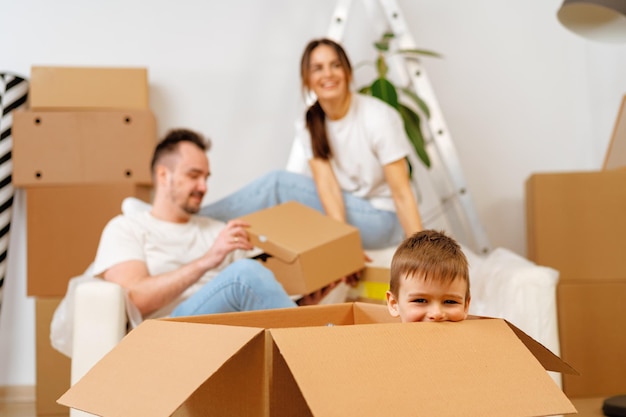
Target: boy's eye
<point>451,302</point>
<point>420,300</point>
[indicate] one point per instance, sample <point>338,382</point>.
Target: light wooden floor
<point>17,409</point>
<point>17,402</point>
<point>587,407</point>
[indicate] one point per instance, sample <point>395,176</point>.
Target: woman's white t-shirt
<point>370,136</point>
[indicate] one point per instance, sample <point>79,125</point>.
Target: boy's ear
<point>467,304</point>
<point>392,305</point>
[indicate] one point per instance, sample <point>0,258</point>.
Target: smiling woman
<point>356,149</point>
<point>353,143</point>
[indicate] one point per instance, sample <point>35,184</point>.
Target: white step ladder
<point>453,211</point>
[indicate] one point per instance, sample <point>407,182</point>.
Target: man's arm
<point>150,293</point>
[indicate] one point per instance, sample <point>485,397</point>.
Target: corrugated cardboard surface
<point>310,368</point>
<point>60,148</point>
<point>592,327</point>
<point>84,88</point>
<point>576,223</point>
<point>63,230</point>
<point>165,363</point>
<point>430,369</point>
<point>52,368</point>
<point>308,250</point>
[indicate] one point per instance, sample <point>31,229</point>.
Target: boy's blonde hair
<point>430,255</point>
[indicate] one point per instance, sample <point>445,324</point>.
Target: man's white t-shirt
<point>370,136</point>
<point>163,246</point>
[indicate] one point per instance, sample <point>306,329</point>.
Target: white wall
<point>519,93</point>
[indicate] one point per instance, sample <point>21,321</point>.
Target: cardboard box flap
<point>372,313</point>
<point>157,357</point>
<point>474,367</point>
<point>548,360</point>
<point>318,315</point>
<point>273,230</point>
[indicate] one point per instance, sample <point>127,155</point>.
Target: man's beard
<point>191,208</point>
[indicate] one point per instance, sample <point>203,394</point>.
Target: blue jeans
<point>378,228</point>
<point>245,285</point>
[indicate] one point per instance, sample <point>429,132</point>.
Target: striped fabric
<point>13,93</point>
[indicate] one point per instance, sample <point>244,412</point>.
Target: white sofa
<point>93,317</point>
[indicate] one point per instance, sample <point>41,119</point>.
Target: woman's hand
<point>317,296</point>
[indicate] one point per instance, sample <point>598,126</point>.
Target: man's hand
<point>232,237</point>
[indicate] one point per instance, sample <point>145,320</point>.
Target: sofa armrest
<point>99,324</point>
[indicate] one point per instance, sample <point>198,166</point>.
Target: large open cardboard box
<point>305,249</point>
<point>348,359</point>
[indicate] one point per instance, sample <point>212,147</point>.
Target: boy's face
<point>421,300</point>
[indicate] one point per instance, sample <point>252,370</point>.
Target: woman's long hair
<point>315,117</point>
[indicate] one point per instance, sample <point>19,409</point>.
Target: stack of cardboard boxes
<point>576,223</point>
<point>84,145</point>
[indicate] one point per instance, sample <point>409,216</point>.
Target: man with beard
<point>172,262</point>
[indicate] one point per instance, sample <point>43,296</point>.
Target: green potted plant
<point>383,88</point>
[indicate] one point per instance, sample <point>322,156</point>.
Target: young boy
<point>429,279</point>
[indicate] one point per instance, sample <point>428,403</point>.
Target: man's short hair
<point>172,139</point>
<point>430,255</point>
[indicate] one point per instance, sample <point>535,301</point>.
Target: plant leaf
<point>382,46</point>
<point>383,43</point>
<point>381,66</point>
<point>417,100</point>
<point>386,91</point>
<point>365,90</point>
<point>426,52</point>
<point>414,132</point>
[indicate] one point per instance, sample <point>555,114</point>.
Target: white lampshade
<point>600,20</point>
